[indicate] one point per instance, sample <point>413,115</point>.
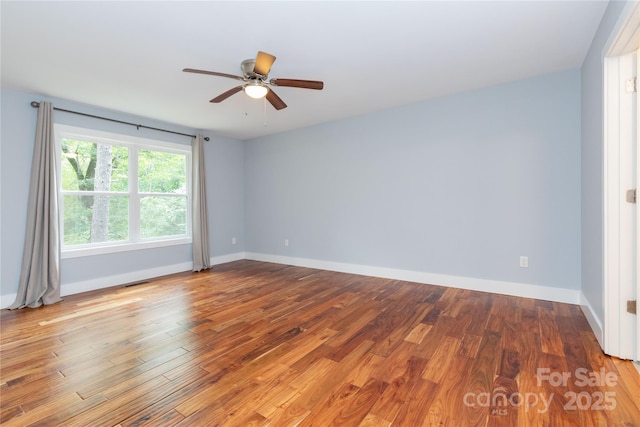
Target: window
<point>120,192</point>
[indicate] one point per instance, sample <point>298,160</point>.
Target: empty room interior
<point>319,213</point>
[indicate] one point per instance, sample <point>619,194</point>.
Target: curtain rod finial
<point>206,138</point>
<point>35,104</point>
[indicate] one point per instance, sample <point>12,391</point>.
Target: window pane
<point>102,203</point>
<point>87,166</point>
<point>162,216</point>
<point>99,218</point>
<point>161,172</point>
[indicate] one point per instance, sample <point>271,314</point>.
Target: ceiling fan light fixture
<point>254,78</point>
<point>256,90</point>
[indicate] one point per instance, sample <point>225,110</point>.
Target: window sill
<point>123,247</point>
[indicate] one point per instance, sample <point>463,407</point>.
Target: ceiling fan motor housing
<point>247,67</point>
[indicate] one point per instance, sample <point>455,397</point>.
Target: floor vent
<point>136,284</point>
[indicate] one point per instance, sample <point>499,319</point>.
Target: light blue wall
<point>224,158</point>
<point>592,161</point>
<point>461,185</point>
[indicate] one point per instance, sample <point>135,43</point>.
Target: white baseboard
<point>119,279</point>
<point>221,259</point>
<point>108,281</point>
<point>548,293</point>
<point>569,296</point>
<point>7,299</point>
<point>592,319</point>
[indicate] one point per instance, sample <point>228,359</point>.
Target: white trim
<point>610,202</point>
<point>134,144</point>
<point>548,293</point>
<point>618,124</point>
<point>114,138</point>
<point>563,295</point>
<point>594,321</point>
<point>109,281</point>
<point>120,279</point>
<point>569,296</point>
<point>222,259</point>
<point>621,40</point>
<point>7,299</point>
<point>116,247</point>
<point>636,263</point>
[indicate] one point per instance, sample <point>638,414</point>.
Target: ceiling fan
<point>254,75</point>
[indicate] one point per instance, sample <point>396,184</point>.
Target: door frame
<point>620,119</point>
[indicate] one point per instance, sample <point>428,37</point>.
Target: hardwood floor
<point>250,343</point>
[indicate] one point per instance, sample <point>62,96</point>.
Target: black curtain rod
<point>35,104</point>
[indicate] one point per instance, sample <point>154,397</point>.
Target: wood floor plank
<point>395,364</point>
<point>254,343</point>
<point>167,419</point>
<point>87,311</point>
<point>469,345</point>
<point>416,409</point>
<point>481,376</point>
<point>448,405</point>
<point>549,334</point>
<point>191,382</point>
<point>374,421</point>
<point>441,360</point>
<point>356,408</point>
<point>330,407</point>
<point>397,394</point>
<point>365,369</point>
<point>48,410</point>
<point>418,333</point>
<point>124,405</point>
<point>290,415</point>
<point>314,391</point>
<point>280,396</point>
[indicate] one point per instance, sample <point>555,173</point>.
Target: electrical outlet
<point>233,240</point>
<point>286,242</point>
<point>524,261</point>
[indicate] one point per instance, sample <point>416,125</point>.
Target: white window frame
<point>135,144</point>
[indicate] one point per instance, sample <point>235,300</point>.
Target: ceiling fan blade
<point>212,73</point>
<point>226,94</point>
<point>263,64</point>
<point>275,100</point>
<point>305,84</point>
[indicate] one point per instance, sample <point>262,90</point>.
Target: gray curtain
<point>199,221</point>
<point>40,272</point>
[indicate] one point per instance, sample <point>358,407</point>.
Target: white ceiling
<point>128,56</point>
